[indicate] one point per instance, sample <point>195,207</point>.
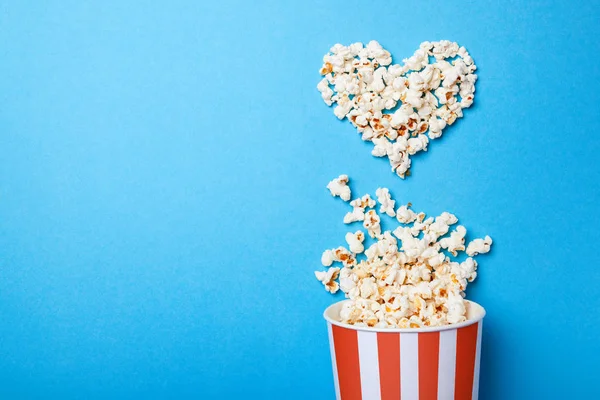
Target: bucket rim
<point>474,310</point>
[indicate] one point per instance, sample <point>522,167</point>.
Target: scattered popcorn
<point>404,279</point>
<point>339,187</point>
<point>372,223</point>
<point>456,241</point>
<point>327,258</point>
<point>405,215</point>
<point>387,204</point>
<point>355,241</point>
<point>427,96</point>
<point>467,269</point>
<point>358,211</point>
<point>344,256</point>
<point>479,246</point>
<point>364,202</point>
<point>357,214</point>
<point>441,225</point>
<point>328,279</point>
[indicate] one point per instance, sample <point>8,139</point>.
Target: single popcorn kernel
<point>339,187</point>
<point>327,68</point>
<point>328,279</point>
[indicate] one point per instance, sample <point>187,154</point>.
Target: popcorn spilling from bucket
<point>408,277</point>
<point>399,108</point>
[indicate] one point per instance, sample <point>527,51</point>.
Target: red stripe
<point>388,349</point>
<point>429,354</point>
<point>345,342</point>
<point>466,347</point>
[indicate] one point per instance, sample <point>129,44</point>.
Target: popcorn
<point>404,279</point>
<point>344,255</point>
<point>387,204</point>
<point>479,246</point>
<point>355,241</point>
<point>456,241</point>
<point>329,279</point>
<point>368,288</point>
<point>327,258</point>
<point>358,211</point>
<point>364,87</point>
<point>339,187</point>
<point>358,214</point>
<point>372,223</point>
<point>420,224</point>
<point>405,215</point>
<point>456,309</point>
<point>348,283</point>
<point>441,225</point>
<point>467,269</point>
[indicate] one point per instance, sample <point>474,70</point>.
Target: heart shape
<point>398,107</point>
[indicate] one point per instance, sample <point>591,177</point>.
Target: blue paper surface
<point>163,204</point>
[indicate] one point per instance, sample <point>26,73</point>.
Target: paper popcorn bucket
<point>409,364</point>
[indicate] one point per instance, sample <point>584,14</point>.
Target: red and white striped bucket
<point>409,364</point>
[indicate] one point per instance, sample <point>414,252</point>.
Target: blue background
<point>163,202</point>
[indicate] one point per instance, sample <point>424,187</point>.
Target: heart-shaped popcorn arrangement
<point>398,107</point>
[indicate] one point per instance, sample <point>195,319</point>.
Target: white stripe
<point>475,394</point>
<point>447,364</point>
<point>369,365</point>
<point>409,365</point>
<point>333,363</point>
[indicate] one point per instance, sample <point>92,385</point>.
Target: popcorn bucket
<point>409,364</point>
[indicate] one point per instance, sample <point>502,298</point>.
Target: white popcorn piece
<point>355,241</point>
<point>456,241</point>
<point>357,214</point>
<point>326,92</point>
<point>339,187</point>
<point>327,258</point>
<point>467,269</point>
<point>417,144</point>
<point>405,215</point>
<point>372,223</point>
<point>368,288</point>
<point>456,309</point>
<point>385,200</point>
<point>479,246</point>
<point>420,224</point>
<point>348,283</point>
<point>441,225</point>
<point>382,148</point>
<point>363,86</point>
<point>340,254</point>
<point>328,279</point>
<point>364,202</point>
<point>344,256</point>
<point>358,211</point>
